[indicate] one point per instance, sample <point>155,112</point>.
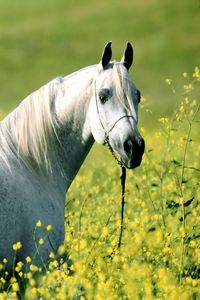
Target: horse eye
<point>138,96</point>
<point>104,95</point>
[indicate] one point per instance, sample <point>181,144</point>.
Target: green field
<point>159,257</point>
<point>40,40</point>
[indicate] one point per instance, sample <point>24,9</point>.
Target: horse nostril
<point>128,145</point>
<point>136,146</point>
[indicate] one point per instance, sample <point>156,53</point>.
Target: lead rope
<point>119,162</point>
<point>123,187</point>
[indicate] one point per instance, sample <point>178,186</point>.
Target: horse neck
<point>74,133</point>
<point>65,151</point>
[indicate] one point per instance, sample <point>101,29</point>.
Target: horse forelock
<point>122,83</point>
<point>31,127</point>
<point>124,87</point>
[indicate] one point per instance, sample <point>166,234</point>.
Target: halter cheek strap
<point>107,131</point>
<point>106,141</point>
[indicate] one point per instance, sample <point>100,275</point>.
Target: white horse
<point>45,140</point>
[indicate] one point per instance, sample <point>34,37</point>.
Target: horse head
<point>114,108</point>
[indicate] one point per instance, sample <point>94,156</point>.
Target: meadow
<point>159,257</point>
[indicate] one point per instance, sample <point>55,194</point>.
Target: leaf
<point>172,204</point>
<point>187,214</point>
<point>151,229</point>
<point>189,141</point>
<point>187,203</point>
<point>137,186</point>
<point>154,184</point>
<point>184,181</point>
<point>177,163</point>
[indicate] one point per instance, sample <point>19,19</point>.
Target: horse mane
<point>27,131</point>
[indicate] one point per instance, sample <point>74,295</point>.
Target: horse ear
<point>106,56</point>
<point>127,58</point>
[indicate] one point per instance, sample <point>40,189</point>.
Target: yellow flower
<point>28,259</point>
<point>28,275</point>
<point>15,287</point>
<point>17,246</point>
<point>82,244</point>
<point>33,293</point>
<point>3,281</point>
<point>188,87</point>
<point>194,103</point>
<point>53,264</point>
<point>182,232</point>
<point>105,232</point>
<point>196,73</point>
<point>163,120</point>
<point>181,108</point>
<point>41,241</point>
<point>19,266</point>
<point>32,282</point>
<point>51,255</point>
<point>109,250</point>
<point>39,224</point>
<point>14,247</point>
<point>5,260</point>
<point>61,250</point>
<point>143,99</point>
<point>48,228</point>
<point>181,200</point>
<point>33,268</point>
<point>168,81</point>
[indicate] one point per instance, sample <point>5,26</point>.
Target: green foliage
<point>159,257</point>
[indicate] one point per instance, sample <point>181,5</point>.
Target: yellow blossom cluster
<point>17,246</point>
<point>159,256</point>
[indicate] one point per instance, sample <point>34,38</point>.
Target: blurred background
<point>40,40</point>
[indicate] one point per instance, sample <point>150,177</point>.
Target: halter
<point>119,162</point>
<point>106,132</point>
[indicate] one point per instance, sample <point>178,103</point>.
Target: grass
<point>41,40</point>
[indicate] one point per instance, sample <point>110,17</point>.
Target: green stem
<point>182,192</point>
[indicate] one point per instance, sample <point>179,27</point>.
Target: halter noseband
<point>106,141</point>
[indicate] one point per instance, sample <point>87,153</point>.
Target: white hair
<point>26,131</point>
<point>124,87</point>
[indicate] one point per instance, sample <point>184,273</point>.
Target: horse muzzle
<point>133,150</point>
